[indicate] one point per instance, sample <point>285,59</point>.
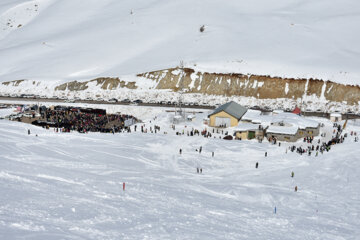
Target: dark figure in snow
<point>265,154</point>
<point>292,174</point>
<point>256,165</point>
<point>295,188</point>
<point>200,149</point>
<point>200,170</point>
<point>212,154</point>
<point>135,128</point>
<point>180,151</point>
<point>28,131</point>
<point>279,144</point>
<point>197,170</point>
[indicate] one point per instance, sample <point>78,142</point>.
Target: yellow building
<point>248,131</point>
<point>227,115</point>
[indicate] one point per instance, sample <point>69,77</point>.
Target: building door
<point>222,121</point>
<point>251,135</point>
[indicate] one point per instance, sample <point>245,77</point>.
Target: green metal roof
<point>232,108</point>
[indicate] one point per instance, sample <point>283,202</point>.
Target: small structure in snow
<point>335,117</point>
<point>191,118</point>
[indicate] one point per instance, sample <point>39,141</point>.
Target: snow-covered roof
<point>246,127</point>
<point>232,108</point>
<point>250,115</point>
<point>335,114</point>
<point>289,120</point>
<point>277,111</point>
<point>283,130</point>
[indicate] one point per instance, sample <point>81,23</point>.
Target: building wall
<point>284,137</point>
<point>241,135</point>
<point>335,119</point>
<point>301,133</point>
<point>233,121</point>
<point>308,132</point>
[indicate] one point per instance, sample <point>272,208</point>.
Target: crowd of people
<point>75,119</point>
<point>321,147</point>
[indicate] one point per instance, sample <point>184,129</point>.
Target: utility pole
<point>181,92</point>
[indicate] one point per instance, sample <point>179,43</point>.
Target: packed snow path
<point>69,186</point>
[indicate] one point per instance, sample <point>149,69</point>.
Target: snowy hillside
<point>62,40</point>
<point>69,186</point>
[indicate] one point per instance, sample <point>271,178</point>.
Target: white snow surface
<point>69,186</point>
<point>6,112</point>
<point>62,40</point>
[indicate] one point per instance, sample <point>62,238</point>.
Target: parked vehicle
<point>126,100</point>
<point>28,115</point>
<point>112,100</point>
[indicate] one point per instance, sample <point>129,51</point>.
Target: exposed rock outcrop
<point>103,83</point>
<point>262,87</point>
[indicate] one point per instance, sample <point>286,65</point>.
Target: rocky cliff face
<point>102,83</point>
<point>202,83</point>
<point>261,87</point>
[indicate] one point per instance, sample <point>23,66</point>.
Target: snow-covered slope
<point>69,186</point>
<point>77,40</point>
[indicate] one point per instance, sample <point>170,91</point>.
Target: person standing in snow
<point>28,131</point>
<point>180,151</point>
<point>296,188</point>
<point>265,154</point>
<point>200,170</point>
<point>197,170</point>
<point>200,149</point>
<point>292,174</point>
<point>212,154</point>
<point>256,165</point>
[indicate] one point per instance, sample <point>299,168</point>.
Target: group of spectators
<point>75,119</point>
<point>321,147</point>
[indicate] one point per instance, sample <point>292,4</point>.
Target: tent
<point>296,111</point>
